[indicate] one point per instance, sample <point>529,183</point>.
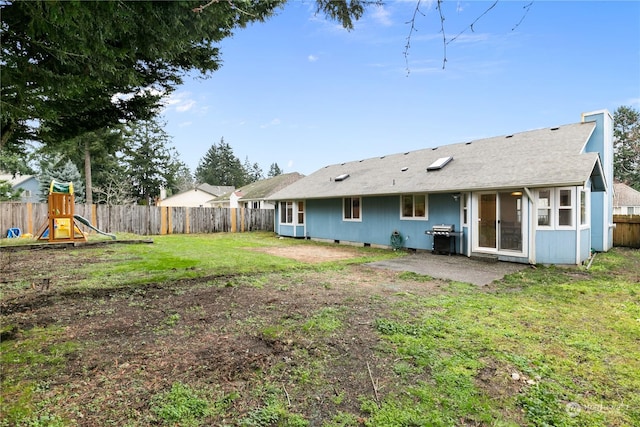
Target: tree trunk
<point>87,173</point>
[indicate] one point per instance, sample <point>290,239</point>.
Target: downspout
<point>533,226</point>
<point>576,219</point>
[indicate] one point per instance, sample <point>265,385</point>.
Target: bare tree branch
<point>472,24</point>
<point>413,29</point>
<point>444,35</point>
<point>526,8</point>
<point>445,41</point>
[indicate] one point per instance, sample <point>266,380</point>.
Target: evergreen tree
<point>61,170</point>
<point>180,179</point>
<point>626,134</point>
<point>149,160</point>
<point>8,194</point>
<point>63,63</point>
<point>274,170</point>
<point>253,172</point>
<point>220,166</point>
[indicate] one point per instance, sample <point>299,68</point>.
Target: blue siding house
<point>29,185</point>
<point>543,196</point>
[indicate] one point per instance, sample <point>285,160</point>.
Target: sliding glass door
<point>500,221</point>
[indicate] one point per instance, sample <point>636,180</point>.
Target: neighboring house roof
<point>538,158</point>
<point>261,190</point>
<point>16,180</point>
<point>625,195</point>
<point>215,190</point>
<point>198,196</point>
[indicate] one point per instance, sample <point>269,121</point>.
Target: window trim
<point>550,208</point>
<point>284,212</point>
<point>587,208</point>
<point>571,208</point>
<point>352,199</point>
<point>300,211</point>
<point>555,208</point>
<point>413,217</point>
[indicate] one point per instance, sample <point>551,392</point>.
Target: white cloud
<point>180,102</point>
<point>382,16</point>
<point>274,122</point>
<point>312,58</point>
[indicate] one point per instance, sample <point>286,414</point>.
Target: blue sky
<point>304,93</point>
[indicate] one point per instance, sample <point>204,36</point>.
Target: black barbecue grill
<point>444,238</point>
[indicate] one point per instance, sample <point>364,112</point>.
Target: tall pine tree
<point>220,166</point>
<point>626,134</point>
<point>150,160</point>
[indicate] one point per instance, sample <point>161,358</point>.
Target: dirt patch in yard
<point>306,338</point>
<point>311,254</point>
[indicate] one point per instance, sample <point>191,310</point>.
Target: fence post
<point>233,220</point>
<point>163,220</point>
<point>30,218</point>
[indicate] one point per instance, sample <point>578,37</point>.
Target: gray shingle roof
<point>538,158</point>
<point>262,189</point>
<point>625,195</point>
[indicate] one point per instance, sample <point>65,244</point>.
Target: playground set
<point>62,222</point>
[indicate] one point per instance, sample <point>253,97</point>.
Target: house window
<point>414,206</point>
<point>351,211</point>
<point>300,212</point>
<point>556,208</point>
<point>630,210</point>
<point>255,205</point>
<point>286,212</point>
<point>544,208</point>
<point>565,207</point>
<point>26,193</point>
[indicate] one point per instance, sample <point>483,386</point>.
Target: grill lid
<point>443,228</point>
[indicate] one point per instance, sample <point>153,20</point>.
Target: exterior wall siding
<point>380,218</point>
<point>556,247</point>
<point>601,142</point>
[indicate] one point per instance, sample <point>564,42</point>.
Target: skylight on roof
<point>341,177</point>
<point>439,164</point>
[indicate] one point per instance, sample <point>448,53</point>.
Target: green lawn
<point>544,347</point>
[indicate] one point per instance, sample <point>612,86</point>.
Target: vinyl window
<point>286,212</point>
<point>557,208</point>
<point>351,209</point>
<point>413,206</point>
<point>300,212</point>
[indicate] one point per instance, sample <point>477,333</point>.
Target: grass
<point>543,347</point>
<point>571,341</point>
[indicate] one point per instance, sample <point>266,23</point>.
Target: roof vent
<point>434,148</point>
<point>555,128</point>
<point>468,143</point>
<point>439,164</point>
<point>404,169</point>
<point>341,177</point>
<point>509,136</point>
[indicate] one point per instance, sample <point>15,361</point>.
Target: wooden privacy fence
<point>627,231</point>
<point>143,220</point>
